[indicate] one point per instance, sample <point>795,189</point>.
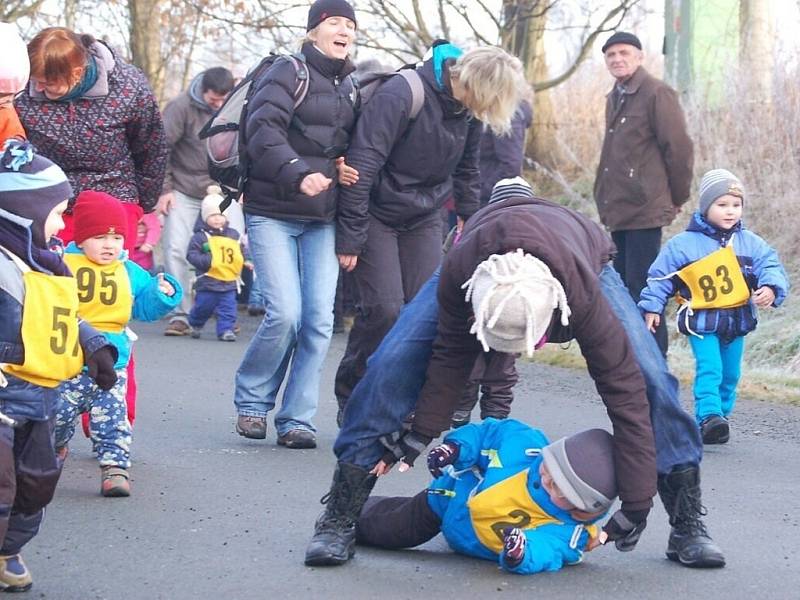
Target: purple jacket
<point>110,139</point>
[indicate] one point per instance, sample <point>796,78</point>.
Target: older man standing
<point>645,169</point>
<point>187,178</point>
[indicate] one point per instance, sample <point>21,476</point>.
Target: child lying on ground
<point>502,492</point>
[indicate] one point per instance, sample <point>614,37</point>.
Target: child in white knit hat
<point>720,273</point>
<point>216,253</point>
<point>14,72</point>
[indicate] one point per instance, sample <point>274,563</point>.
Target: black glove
<point>625,527</point>
<point>514,542</point>
<point>101,367</point>
<point>405,446</point>
<point>444,454</point>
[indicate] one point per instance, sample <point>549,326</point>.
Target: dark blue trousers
<point>207,302</point>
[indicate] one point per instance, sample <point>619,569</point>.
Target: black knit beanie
<point>323,9</point>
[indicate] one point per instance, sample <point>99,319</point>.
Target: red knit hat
<point>98,213</point>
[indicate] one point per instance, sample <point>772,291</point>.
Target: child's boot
<point>115,482</point>
<point>14,575</point>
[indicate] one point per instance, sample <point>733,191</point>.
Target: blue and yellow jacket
<point>496,485</point>
<point>149,303</point>
<point>758,261</point>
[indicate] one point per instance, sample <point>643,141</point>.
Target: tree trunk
<point>525,39</point>
<point>756,38</point>
<point>145,41</point>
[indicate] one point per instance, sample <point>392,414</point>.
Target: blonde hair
<point>493,83</point>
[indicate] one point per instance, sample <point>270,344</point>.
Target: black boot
<point>335,531</point>
<point>689,542</point>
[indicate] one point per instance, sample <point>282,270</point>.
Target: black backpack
<point>225,132</point>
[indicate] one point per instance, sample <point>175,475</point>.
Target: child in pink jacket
<point>148,232</point>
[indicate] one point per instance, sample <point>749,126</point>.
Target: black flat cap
<point>622,37</point>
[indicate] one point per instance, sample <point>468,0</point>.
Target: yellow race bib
<point>716,281</point>
<point>505,504</point>
<point>104,292</point>
<point>49,329</point>
<point>226,258</point>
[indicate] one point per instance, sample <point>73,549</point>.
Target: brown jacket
<point>645,170</point>
<point>184,117</point>
<point>576,250</point>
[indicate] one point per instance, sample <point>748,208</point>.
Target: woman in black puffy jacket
<point>290,206</point>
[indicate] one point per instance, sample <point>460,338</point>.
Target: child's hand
<point>441,456</point>
<point>146,248</point>
<point>347,174</point>
<point>206,248</point>
<point>164,286</point>
<point>763,297</point>
<point>652,320</point>
<point>249,265</point>
<point>514,542</point>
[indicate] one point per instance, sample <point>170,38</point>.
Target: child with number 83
<point>111,291</point>
<point>42,344</point>
<point>721,273</point>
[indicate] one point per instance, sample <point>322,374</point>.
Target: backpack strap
<point>417,90</point>
<point>301,73</point>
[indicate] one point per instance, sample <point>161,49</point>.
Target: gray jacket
<point>184,117</point>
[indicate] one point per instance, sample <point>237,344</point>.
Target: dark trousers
<point>207,302</point>
<point>29,472</point>
<point>397,522</point>
<point>636,251</point>
<point>392,268</point>
<point>495,373</point>
<point>346,298</point>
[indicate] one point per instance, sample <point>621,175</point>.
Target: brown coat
<point>576,250</point>
<point>645,169</point>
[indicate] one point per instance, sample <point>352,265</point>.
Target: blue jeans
<point>388,393</point>
<point>718,366</point>
<point>208,302</point>
<point>296,263</point>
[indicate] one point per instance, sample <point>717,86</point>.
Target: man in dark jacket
<point>187,178</point>
<point>423,363</point>
<point>645,169</point>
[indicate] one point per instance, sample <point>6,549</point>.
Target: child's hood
<point>698,223</point>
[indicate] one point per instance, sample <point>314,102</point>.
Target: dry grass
<point>756,140</point>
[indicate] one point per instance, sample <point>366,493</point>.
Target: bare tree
<point>12,10</point>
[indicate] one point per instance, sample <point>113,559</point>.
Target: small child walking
<point>216,254</point>
<point>111,291</point>
<point>721,274</point>
<point>42,344</point>
<point>148,233</point>
<point>503,492</point>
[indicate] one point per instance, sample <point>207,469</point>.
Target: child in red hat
<point>111,291</point>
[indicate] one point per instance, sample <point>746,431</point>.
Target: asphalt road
<point>213,515</point>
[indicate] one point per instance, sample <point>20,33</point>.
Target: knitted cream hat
<point>211,203</point>
<point>513,297</point>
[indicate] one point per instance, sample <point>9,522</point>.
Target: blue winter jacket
<point>759,263</point>
<point>21,399</point>
<point>496,484</point>
<point>149,303</point>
